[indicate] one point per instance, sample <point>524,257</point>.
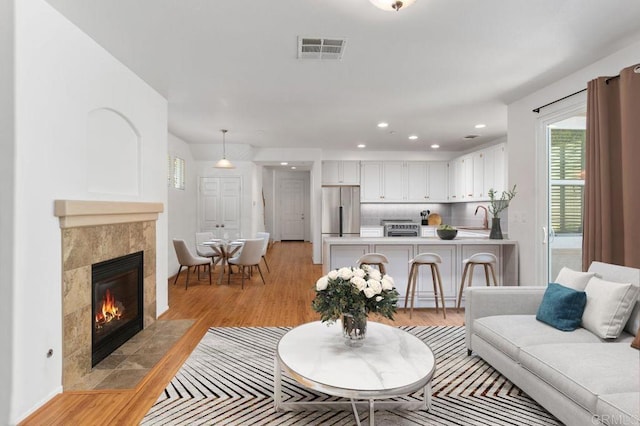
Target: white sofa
<point>578,377</point>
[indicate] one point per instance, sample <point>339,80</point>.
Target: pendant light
<point>223,163</point>
<point>392,5</point>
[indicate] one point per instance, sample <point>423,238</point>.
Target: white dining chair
<point>185,258</point>
<point>249,256</point>
<point>207,251</point>
<point>265,246</point>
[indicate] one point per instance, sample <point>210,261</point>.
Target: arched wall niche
<point>113,153</point>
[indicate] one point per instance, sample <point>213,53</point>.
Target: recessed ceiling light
<point>383,124</point>
<point>284,163</point>
<point>413,137</point>
<point>435,146</point>
<point>480,126</point>
<point>361,145</point>
<point>293,167</point>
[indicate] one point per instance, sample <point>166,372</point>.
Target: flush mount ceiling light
<point>413,137</point>
<point>392,5</point>
<point>480,126</point>
<point>435,146</point>
<point>223,163</point>
<point>362,145</point>
<point>383,124</point>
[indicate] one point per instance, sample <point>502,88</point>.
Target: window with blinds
<point>567,180</point>
<point>178,173</point>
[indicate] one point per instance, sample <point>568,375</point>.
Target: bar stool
<point>432,260</point>
<point>375,259</point>
<point>487,260</point>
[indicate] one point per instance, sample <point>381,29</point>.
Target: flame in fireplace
<point>111,309</point>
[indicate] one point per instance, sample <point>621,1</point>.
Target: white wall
<point>62,75</point>
<point>523,157</point>
<point>7,190</point>
<point>182,203</point>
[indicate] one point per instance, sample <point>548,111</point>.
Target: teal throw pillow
<point>562,307</point>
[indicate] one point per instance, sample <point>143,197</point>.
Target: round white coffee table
<point>391,363</point>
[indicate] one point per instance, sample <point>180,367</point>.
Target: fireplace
<point>117,288</point>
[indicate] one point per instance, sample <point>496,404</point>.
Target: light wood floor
<point>284,301</point>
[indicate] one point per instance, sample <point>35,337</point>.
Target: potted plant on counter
<point>496,205</point>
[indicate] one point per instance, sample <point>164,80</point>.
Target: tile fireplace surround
<point>94,231</point>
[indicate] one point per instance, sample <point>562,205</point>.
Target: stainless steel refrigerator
<point>340,211</point>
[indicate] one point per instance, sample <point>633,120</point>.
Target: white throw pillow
<point>574,279</point>
<point>609,306</point>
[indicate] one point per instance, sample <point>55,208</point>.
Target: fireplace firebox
<point>117,303</point>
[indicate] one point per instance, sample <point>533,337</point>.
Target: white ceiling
<point>434,69</point>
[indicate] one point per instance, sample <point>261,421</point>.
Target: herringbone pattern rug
<point>228,380</point>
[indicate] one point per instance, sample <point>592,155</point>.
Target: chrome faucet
<point>485,221</point>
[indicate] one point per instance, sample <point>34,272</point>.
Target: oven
<point>402,229</point>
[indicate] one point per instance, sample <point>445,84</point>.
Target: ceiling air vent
<point>320,48</point>
<point>471,136</point>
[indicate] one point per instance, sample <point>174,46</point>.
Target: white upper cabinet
<point>494,175</point>
<point>371,182</point>
<point>340,172</point>
<point>403,181</point>
<point>472,175</point>
<point>478,176</point>
<point>394,181</point>
<point>418,181</point>
<point>437,181</point>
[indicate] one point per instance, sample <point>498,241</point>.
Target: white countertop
<point>414,240</point>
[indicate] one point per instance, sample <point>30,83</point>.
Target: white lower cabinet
<point>346,255</point>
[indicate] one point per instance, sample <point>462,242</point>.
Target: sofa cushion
<point>619,409</point>
<point>582,371</point>
<point>574,279</point>
<point>562,307</point>
<point>609,305</point>
<point>510,333</point>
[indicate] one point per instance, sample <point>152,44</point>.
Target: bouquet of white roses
<point>358,291</point>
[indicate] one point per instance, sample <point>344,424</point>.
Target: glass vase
<point>496,231</point>
<point>354,328</point>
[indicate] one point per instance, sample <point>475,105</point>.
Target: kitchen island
<point>345,251</point>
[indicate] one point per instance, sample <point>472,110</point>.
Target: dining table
<point>225,250</point>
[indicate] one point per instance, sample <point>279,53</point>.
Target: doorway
<point>292,210</point>
<point>565,135</point>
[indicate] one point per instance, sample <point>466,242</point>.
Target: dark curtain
<point>612,181</point>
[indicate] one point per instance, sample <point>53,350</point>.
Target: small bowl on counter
<point>447,234</point>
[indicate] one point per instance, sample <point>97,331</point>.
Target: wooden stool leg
<point>406,296</point>
<point>486,274</point>
<point>414,284</point>
<point>435,289</point>
<point>444,309</point>
<point>382,270</point>
<point>464,275</point>
<point>493,273</point>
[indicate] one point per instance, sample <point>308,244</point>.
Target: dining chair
<point>207,251</point>
<point>249,256</point>
<point>265,246</point>
<point>185,258</point>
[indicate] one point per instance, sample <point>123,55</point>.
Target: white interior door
<point>292,223</point>
<point>220,206</point>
